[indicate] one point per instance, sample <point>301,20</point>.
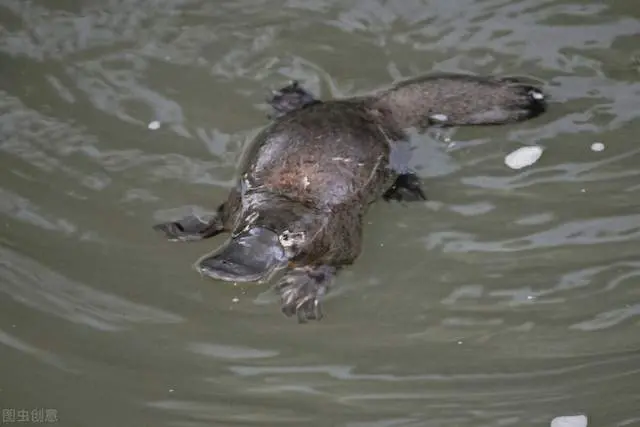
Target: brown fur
<point>465,100</point>
<point>315,170</point>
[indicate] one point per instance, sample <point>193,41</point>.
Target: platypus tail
<point>459,99</point>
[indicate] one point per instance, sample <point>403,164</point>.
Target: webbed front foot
<point>406,188</point>
<point>289,98</point>
<point>301,291</point>
<point>191,227</point>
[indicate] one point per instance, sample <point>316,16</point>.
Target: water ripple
<point>28,135</point>
<point>23,210</point>
<point>38,287</point>
<point>580,232</point>
<point>42,355</point>
<point>230,352</point>
<point>51,33</point>
<point>342,372</point>
<point>608,319</point>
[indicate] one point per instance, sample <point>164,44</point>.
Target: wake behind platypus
<point>309,177</point>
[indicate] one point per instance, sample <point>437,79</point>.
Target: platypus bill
<point>309,177</point>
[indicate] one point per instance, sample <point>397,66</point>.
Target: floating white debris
<point>439,117</point>
<point>597,146</point>
<point>536,94</point>
<point>154,125</point>
<point>235,300</point>
<point>523,157</point>
<point>570,421</point>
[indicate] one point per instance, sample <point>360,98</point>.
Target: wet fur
<point>320,164</point>
<point>463,99</point>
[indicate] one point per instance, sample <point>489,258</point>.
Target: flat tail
<point>460,99</point>
<point>249,257</point>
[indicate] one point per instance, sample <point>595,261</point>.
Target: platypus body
<point>310,176</point>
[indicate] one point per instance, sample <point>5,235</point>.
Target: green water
<point>511,297</point>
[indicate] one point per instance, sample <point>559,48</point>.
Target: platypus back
<point>456,100</point>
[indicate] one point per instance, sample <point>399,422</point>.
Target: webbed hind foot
<point>406,188</point>
<point>290,98</point>
<point>302,289</point>
<point>191,227</point>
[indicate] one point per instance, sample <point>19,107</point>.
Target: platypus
<point>309,177</point>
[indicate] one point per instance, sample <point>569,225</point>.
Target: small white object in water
<point>570,421</point>
<point>536,94</point>
<point>523,157</point>
<point>171,390</point>
<point>439,117</point>
<point>154,125</point>
<point>235,299</point>
<point>597,146</point>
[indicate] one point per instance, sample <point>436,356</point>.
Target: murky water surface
<point>509,298</point>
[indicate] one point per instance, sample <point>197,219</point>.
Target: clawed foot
<point>301,291</point>
<point>289,98</point>
<point>406,188</point>
<point>190,228</point>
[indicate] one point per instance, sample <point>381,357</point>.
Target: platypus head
<point>249,256</point>
<point>265,241</point>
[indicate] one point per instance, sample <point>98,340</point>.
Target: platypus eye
<point>292,240</point>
